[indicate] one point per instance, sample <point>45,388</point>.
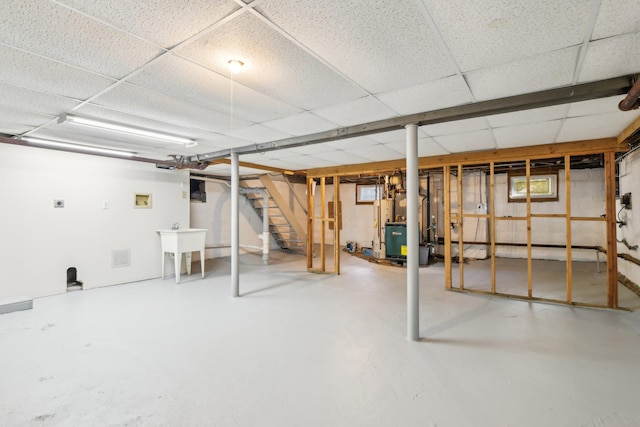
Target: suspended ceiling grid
<point>310,66</point>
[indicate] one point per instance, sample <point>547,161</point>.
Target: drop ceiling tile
<point>283,154</point>
<point>273,64</point>
<point>535,115</point>
<point>296,163</point>
<point>458,126</point>
<point>376,153</point>
<point>189,82</point>
<point>470,141</point>
<point>35,72</point>
<point>426,147</point>
<point>313,149</point>
<point>389,137</point>
<point>534,74</point>
<point>595,106</point>
<point>301,124</point>
<point>495,32</point>
<point>611,58</point>
<point>162,23</point>
<point>258,133</point>
<point>339,157</point>
<point>352,143</point>
<point>593,127</point>
<point>11,115</point>
<point>528,134</point>
<point>381,47</point>
<point>442,93</point>
<point>363,110</point>
<point>75,39</point>
<point>616,17</point>
<point>13,128</point>
<point>31,101</point>
<point>152,105</point>
<point>304,162</point>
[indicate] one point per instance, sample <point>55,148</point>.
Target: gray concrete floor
<point>301,349</point>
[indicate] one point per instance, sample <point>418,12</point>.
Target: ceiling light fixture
<point>78,147</point>
<point>130,130</point>
<point>235,65</point>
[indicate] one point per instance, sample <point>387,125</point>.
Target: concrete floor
<point>300,349</point>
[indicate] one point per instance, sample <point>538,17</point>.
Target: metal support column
<point>235,225</point>
<point>265,228</point>
<point>413,234</point>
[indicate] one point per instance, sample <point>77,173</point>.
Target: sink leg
<point>202,263</point>
<point>187,255</point>
<point>178,262</point>
<point>163,256</point>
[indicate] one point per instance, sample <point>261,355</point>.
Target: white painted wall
<point>629,179</point>
<point>40,242</point>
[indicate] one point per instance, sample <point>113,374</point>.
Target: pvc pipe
<point>413,234</point>
<point>235,225</point>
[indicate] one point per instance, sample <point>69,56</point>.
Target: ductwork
<point>632,100</point>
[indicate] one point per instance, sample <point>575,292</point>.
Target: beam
<point>575,148</point>
<point>629,130</point>
<point>255,166</point>
<point>563,95</point>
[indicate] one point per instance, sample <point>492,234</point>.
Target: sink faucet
<point>175,226</point>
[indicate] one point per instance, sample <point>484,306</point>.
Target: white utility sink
<point>183,241</point>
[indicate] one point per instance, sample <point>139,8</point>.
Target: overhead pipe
<point>632,100</point>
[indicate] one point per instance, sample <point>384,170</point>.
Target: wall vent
<point>120,258</point>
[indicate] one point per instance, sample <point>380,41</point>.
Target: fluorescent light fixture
<point>78,147</point>
<point>235,65</point>
<point>130,130</point>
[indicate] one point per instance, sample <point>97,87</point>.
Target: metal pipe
<point>632,100</point>
<point>413,234</point>
<point>235,225</point>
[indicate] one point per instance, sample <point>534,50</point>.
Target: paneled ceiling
<point>309,66</point>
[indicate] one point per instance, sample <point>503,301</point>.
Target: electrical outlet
<point>57,203</point>
<point>625,200</point>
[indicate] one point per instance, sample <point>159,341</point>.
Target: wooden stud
<point>529,252</point>
<point>460,229</point>
<point>309,223</point>
<point>447,226</point>
<point>323,214</point>
<point>612,255</point>
<point>567,190</point>
<point>492,235</point>
<point>336,225</point>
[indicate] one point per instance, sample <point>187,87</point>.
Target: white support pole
<point>235,225</point>
<point>413,234</point>
<point>265,228</point>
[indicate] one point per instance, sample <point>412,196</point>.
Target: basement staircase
<point>285,227</point>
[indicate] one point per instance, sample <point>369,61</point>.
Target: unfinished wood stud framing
<point>458,218</point>
<point>324,219</point>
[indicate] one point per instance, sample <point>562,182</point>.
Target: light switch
<point>105,204</point>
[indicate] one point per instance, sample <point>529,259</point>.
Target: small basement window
<point>366,194</point>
